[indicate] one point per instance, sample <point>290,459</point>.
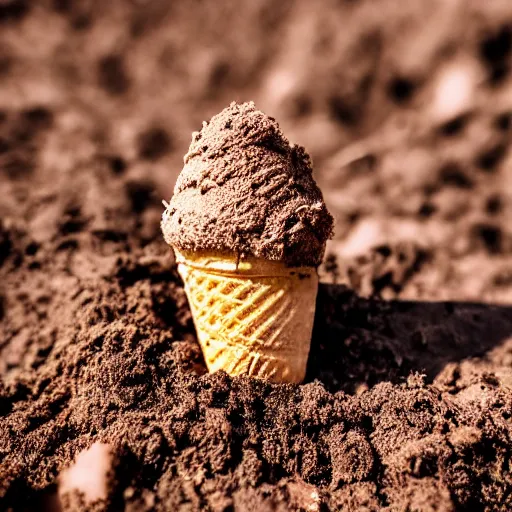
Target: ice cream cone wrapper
<point>253,317</point>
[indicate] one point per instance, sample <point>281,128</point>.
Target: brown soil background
<point>407,403</point>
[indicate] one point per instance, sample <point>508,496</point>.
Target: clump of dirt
<point>407,399</point>
<point>123,368</point>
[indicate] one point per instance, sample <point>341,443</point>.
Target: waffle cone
<point>253,317</point>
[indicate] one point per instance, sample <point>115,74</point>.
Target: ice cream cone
<point>253,317</point>
<point>245,190</point>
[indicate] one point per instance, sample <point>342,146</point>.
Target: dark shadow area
<point>359,342</point>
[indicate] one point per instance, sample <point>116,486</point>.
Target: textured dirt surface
<point>245,190</point>
<point>407,403</point>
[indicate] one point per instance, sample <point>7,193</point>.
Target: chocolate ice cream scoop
<point>245,190</point>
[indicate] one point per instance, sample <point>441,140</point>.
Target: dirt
<point>245,190</point>
<point>407,403</point>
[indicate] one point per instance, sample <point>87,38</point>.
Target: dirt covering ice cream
<point>249,226</point>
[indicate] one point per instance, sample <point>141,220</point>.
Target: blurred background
<point>405,107</point>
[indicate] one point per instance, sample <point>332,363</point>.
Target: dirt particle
<point>154,143</point>
<point>351,457</point>
<point>13,10</point>
<point>496,47</point>
<point>38,117</point>
<point>18,165</point>
<point>494,51</point>
<point>490,235</point>
<point>503,278</point>
<point>498,74</point>
<point>401,90</point>
<point>454,126</point>
<point>112,75</point>
<point>427,209</point>
<point>342,111</point>
<point>502,122</point>
<point>117,164</point>
<point>32,248</point>
<point>141,194</point>
<point>490,158</point>
<point>72,220</point>
<point>452,174</point>
<point>493,205</point>
<point>5,244</point>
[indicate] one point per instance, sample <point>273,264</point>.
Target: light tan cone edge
<point>253,318</point>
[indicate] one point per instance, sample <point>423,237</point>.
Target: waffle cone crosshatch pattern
<point>256,321</point>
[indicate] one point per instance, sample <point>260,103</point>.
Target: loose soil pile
<point>407,403</point>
